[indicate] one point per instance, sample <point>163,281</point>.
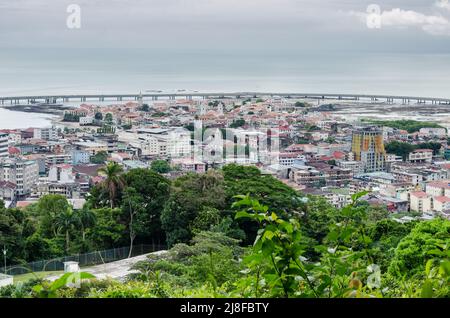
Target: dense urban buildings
<point>303,144</point>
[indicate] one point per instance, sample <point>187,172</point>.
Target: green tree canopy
<point>416,248</point>
<point>160,166</point>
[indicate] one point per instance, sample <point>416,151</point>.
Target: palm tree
<point>114,180</point>
<point>65,222</point>
<point>87,219</point>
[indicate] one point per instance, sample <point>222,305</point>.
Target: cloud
<point>443,4</point>
<point>399,18</point>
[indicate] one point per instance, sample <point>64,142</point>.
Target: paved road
<point>115,270</point>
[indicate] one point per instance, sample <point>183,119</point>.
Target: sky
<point>297,25</point>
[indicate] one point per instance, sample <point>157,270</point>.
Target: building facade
<point>4,140</point>
<point>23,173</point>
<point>368,147</point>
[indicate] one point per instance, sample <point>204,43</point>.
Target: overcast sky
<point>406,25</point>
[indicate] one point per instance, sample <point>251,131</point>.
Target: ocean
<point>71,71</point>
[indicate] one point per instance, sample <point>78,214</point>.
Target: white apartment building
<point>441,203</point>
<point>420,202</point>
<point>151,146</point>
<point>421,155</point>
<point>173,144</point>
<point>433,132</point>
<point>4,141</point>
<point>49,133</point>
<point>23,173</point>
<point>288,158</point>
<point>355,166</point>
<point>61,173</point>
<point>86,120</point>
<point>390,157</point>
<point>91,147</point>
<point>15,137</point>
<point>438,188</point>
<point>57,159</point>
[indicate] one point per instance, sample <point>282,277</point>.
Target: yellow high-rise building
<point>368,147</point>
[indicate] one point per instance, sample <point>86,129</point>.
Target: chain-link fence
<point>86,259</point>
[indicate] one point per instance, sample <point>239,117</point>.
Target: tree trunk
<point>132,237</point>
<point>67,241</point>
<point>132,234</point>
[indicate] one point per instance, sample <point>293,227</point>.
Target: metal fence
<point>86,259</point>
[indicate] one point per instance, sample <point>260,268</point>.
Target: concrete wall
<point>6,280</point>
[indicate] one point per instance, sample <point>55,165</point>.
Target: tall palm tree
<point>65,222</point>
<point>87,219</point>
<point>114,180</point>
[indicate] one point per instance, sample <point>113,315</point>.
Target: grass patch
<point>25,277</point>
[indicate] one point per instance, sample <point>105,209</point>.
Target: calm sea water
<point>59,71</point>
<point>12,120</point>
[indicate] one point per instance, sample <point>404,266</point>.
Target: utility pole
<point>4,255</point>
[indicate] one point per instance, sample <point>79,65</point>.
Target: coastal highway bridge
<point>55,99</point>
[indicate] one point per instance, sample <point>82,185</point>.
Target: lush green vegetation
<point>404,148</point>
<point>232,233</point>
<point>69,117</point>
<point>160,166</point>
<point>409,125</point>
<point>144,108</point>
<point>100,157</point>
<point>159,114</point>
<point>98,116</point>
<point>237,123</point>
<point>301,104</point>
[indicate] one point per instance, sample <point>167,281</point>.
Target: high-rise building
<point>23,173</point>
<point>368,147</point>
<point>4,140</point>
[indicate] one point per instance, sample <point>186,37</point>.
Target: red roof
<point>419,194</point>
<point>7,184</point>
<point>289,155</point>
<point>423,150</point>
<point>24,204</point>
<point>339,155</point>
<point>439,184</point>
<point>13,151</point>
<point>442,199</point>
<point>64,166</point>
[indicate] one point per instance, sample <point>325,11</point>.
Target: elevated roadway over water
<point>55,99</point>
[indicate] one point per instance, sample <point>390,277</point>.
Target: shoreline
<point>39,108</point>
